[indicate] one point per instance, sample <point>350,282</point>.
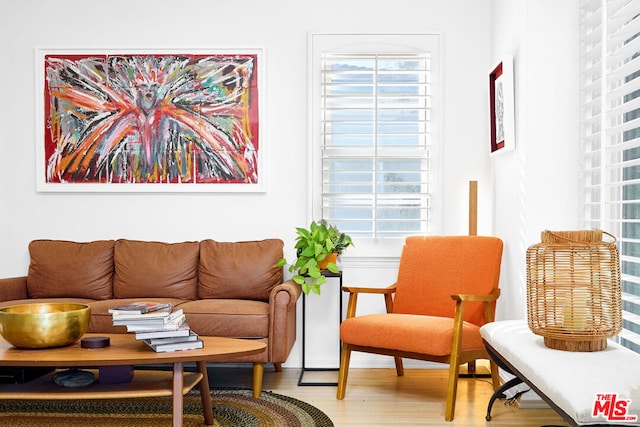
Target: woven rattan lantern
<point>574,298</point>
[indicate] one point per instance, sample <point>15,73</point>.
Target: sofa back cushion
<point>155,269</point>
<point>242,270</point>
<point>59,268</point>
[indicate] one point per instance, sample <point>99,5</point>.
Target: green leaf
<point>332,267</point>
<point>315,289</point>
<point>306,288</point>
<point>281,262</point>
<point>299,280</point>
<point>309,251</point>
<point>300,262</point>
<point>303,232</point>
<point>314,272</point>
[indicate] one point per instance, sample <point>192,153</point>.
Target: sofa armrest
<point>13,288</point>
<point>282,320</point>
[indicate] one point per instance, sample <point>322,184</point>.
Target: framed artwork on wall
<point>146,120</point>
<point>501,106</point>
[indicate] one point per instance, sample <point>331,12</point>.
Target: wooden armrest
<point>485,299</point>
<point>492,296</point>
<point>353,297</point>
<point>356,290</point>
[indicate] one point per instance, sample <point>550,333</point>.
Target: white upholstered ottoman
<point>595,388</point>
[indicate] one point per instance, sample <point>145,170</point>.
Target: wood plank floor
<point>377,397</point>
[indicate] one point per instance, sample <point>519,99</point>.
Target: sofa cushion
<point>60,268</point>
<point>155,269</point>
<point>242,270</point>
<point>230,318</point>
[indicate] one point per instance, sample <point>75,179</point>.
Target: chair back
<point>434,267</point>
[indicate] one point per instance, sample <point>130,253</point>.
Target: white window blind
<point>376,139</point>
<point>610,139</point>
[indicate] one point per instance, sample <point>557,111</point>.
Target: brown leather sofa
<point>228,289</point>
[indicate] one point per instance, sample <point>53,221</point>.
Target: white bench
<point>594,388</point>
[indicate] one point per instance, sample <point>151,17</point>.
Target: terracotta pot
<point>329,258</point>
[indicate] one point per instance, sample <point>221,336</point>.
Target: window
<point>610,139</point>
<point>374,133</point>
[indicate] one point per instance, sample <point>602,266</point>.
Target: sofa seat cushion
<point>60,268</point>
<point>241,270</point>
<point>155,269</point>
<point>101,319</point>
<point>228,317</point>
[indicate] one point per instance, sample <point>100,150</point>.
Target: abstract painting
<point>145,121</point>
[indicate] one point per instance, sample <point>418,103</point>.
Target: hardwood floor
<point>377,397</point>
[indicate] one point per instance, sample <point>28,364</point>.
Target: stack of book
<point>158,325</point>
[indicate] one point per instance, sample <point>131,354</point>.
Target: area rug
<point>231,407</point>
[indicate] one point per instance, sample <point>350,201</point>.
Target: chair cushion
<point>155,269</point>
<point>434,267</point>
<point>408,332</point>
<point>242,270</point>
<point>60,268</point>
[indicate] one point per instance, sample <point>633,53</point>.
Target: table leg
<point>178,400</point>
<point>205,394</point>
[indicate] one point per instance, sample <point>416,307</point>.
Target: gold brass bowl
<point>44,325</point>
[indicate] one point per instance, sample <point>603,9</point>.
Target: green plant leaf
<point>300,262</point>
<point>299,280</point>
<point>315,289</point>
<point>306,288</point>
<point>314,272</point>
<point>308,251</point>
<point>303,232</point>
<point>310,263</point>
<point>332,267</point>
<point>281,262</point>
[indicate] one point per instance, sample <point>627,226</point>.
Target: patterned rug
<point>231,407</point>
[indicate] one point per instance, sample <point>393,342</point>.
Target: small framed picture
<point>501,106</point>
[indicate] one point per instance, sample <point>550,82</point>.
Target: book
<point>187,345</point>
<point>182,331</point>
<point>165,326</point>
<point>169,340</point>
<point>154,318</point>
<point>139,308</point>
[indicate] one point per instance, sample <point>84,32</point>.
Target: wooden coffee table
<point>125,350</point>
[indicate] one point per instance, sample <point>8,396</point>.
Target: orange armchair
<point>446,289</point>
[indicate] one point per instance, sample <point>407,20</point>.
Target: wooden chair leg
<point>471,367</point>
<point>452,390</point>
<point>258,374</point>
<point>345,356</point>
<point>399,366</point>
<point>278,367</point>
<point>495,376</point>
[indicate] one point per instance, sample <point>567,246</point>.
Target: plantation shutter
<point>376,143</point>
<point>610,139</point>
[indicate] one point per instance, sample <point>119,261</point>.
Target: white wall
<point>536,186</point>
<point>281,27</point>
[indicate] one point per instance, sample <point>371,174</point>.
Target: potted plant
<point>317,249</point>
